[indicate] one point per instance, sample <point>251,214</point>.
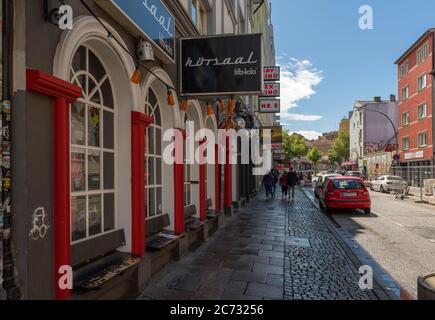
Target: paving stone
<point>277,262</point>
<point>265,290</point>
<point>259,277</point>
<point>252,258</point>
<point>265,268</point>
<point>236,287</point>
<point>271,254</point>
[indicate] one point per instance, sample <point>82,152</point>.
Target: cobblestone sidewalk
<point>268,250</point>
<point>316,266</point>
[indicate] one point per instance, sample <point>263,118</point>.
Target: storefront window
<point>153,155</point>
<point>92,149</point>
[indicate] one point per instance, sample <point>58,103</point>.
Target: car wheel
<point>368,211</point>
<point>371,187</point>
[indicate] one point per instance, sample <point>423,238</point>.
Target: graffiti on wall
<point>39,225</point>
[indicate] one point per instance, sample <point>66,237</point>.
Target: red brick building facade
<point>416,102</point>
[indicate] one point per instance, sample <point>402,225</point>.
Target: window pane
<point>159,201</point>
<point>109,171</point>
<point>151,146</point>
<point>78,170</point>
<point>94,170</point>
<point>94,215</point>
<point>106,90</point>
<point>109,212</point>
<point>78,218</point>
<point>79,59</point>
<point>157,117</point>
<point>95,67</point>
<point>152,100</point>
<point>94,127</point>
<point>91,87</point>
<point>158,147</point>
<point>78,124</point>
<point>147,201</point>
<point>158,171</point>
<point>109,131</point>
<point>152,203</point>
<point>151,171</point>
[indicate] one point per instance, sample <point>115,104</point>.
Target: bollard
<point>426,287</point>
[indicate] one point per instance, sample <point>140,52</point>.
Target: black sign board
<point>221,65</point>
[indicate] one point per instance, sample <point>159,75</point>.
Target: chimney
<point>378,99</point>
<point>392,98</point>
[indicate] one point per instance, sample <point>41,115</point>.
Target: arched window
<point>92,149</point>
<point>154,193</point>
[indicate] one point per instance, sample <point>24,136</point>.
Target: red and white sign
<point>272,73</point>
<point>271,90</point>
<point>270,106</point>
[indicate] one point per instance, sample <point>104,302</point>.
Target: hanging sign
<point>276,136</point>
<point>272,73</point>
<point>221,65</point>
<point>270,106</point>
<point>146,18</point>
<point>271,90</point>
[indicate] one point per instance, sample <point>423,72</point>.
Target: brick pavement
<point>254,257</point>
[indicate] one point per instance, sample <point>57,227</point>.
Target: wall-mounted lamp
<point>145,51</point>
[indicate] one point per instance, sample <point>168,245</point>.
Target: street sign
<point>396,157</point>
<point>270,106</point>
<point>221,65</point>
<point>272,73</point>
<point>271,90</point>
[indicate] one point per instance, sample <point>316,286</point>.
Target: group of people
<point>288,182</point>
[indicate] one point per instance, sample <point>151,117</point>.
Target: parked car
<point>356,174</point>
<point>344,193</point>
<point>388,184</point>
<point>319,183</point>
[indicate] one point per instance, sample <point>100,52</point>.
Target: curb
<point>385,288</point>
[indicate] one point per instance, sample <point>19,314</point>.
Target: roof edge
<point>414,45</point>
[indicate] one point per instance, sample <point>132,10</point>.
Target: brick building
<point>416,123</point>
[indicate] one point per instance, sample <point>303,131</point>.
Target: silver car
<point>388,184</point>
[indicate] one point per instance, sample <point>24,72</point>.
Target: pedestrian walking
<point>275,174</point>
<point>267,183</point>
<point>284,185</point>
<point>292,182</point>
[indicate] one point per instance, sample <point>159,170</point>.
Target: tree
<point>314,156</point>
<point>340,149</point>
<point>294,146</point>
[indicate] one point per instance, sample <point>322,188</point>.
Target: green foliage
<point>340,149</point>
<point>294,146</point>
<point>314,156</point>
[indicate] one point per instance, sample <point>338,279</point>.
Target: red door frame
<point>228,196</point>
<point>179,225</point>
<point>217,181</point>
<point>139,122</point>
<point>202,184</point>
<point>63,93</point>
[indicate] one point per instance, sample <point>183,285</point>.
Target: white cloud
<point>298,81</point>
<point>310,135</point>
<point>299,117</point>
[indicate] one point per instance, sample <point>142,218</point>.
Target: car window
<point>395,179</point>
<point>347,184</point>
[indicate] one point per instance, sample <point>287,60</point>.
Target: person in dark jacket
<point>268,181</point>
<point>292,182</point>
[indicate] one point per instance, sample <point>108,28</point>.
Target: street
<point>255,257</point>
<point>399,235</point>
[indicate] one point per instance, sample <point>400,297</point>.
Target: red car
<point>344,193</point>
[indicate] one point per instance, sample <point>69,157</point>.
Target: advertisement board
<point>270,106</point>
<point>146,18</point>
<point>221,65</point>
<point>276,136</point>
<point>272,73</point>
<point>271,90</point>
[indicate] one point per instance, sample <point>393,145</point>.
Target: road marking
<point>432,240</point>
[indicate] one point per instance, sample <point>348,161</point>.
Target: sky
<point>328,62</point>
